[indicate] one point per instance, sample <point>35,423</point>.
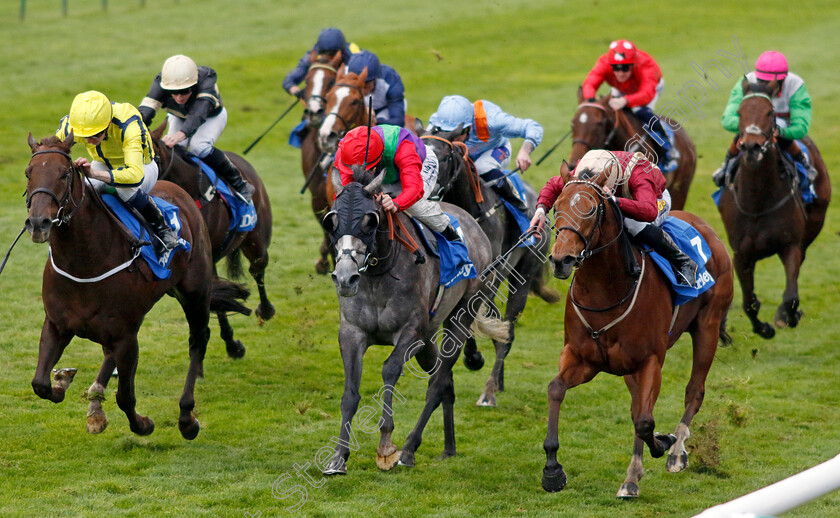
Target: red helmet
<point>622,52</point>
<point>353,146</point>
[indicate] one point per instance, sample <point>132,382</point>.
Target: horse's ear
<point>336,181</point>
<point>336,60</point>
<point>565,171</point>
<point>363,76</point>
<point>32,142</point>
<point>457,132</point>
<point>340,73</point>
<point>773,87</point>
<point>157,133</point>
<point>69,141</point>
<point>313,56</point>
<point>375,184</point>
<point>580,94</point>
<point>418,127</point>
<point>745,84</point>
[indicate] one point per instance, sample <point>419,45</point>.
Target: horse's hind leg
<point>196,308</point>
<point>234,347</point>
<point>744,268</point>
<point>125,354</point>
<point>50,349</point>
<point>572,373</point>
<point>517,298</point>
<point>257,254</point>
<point>788,314</point>
<point>97,421</point>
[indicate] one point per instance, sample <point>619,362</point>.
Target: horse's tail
<point>234,264</point>
<point>539,285</point>
<point>725,339</point>
<point>491,326</point>
<point>225,296</point>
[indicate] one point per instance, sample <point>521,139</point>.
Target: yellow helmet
<point>90,113</point>
<point>179,72</point>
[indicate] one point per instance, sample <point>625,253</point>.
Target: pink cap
<point>771,65</point>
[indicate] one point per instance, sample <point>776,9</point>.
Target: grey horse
<point>524,270</point>
<point>385,298</point>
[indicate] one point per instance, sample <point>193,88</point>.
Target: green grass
<point>771,406</point>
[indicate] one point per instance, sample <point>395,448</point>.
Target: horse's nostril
<point>354,279</point>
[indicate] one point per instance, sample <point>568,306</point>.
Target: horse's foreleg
<point>635,471</point>
<point>572,373</point>
<point>97,421</point>
<point>353,343</point>
<point>234,347</point>
<point>788,314</point>
<point>496,380</point>
<point>50,349</point>
<point>125,354</point>
<point>745,269</point>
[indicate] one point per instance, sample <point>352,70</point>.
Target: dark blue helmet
<point>363,59</point>
<point>330,39</point>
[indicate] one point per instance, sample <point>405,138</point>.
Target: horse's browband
<point>592,105</point>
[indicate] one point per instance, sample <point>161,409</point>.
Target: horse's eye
<point>27,171</point>
<point>370,222</point>
<point>330,222</point>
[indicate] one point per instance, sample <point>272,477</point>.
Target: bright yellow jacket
<point>126,148</point>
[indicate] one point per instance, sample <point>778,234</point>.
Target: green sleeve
<point>800,115</point>
<point>730,118</point>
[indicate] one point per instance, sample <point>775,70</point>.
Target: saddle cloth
<point>692,243</point>
<point>243,216</point>
<point>455,263</point>
<point>158,264</point>
<point>523,220</point>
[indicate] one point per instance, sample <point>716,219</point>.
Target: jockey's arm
<point>152,102</point>
<point>595,78</point>
<point>297,74</point>
<point>730,119</point>
<point>197,116</point>
<point>550,192</point>
<point>409,164</point>
<point>800,115</point>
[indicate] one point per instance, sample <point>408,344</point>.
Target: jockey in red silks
<point>640,194</point>
<point>636,82</point>
<point>410,167</point>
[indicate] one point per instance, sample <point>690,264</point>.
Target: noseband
<point>754,129</point>
<point>67,198</point>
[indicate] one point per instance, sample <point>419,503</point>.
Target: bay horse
<point>319,80</point>
<point>85,240</point>
<point>386,298</point>
<point>597,126</point>
<point>762,209</point>
<point>635,321</point>
<point>180,170</point>
<point>523,271</point>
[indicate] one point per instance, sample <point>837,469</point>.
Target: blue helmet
<point>452,111</point>
<point>360,60</point>
<point>330,39</point>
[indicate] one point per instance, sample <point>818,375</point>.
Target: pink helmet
<point>771,65</point>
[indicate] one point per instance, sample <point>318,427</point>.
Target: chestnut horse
<point>596,126</point>
<point>762,209</point>
<point>635,321</point>
<point>85,240</point>
<point>319,81</point>
<point>180,170</point>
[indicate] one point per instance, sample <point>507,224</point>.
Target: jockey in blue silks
<point>385,86</point>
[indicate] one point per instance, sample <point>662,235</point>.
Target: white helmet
<point>179,72</point>
<point>453,110</point>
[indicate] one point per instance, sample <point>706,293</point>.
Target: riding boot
<point>809,169</point>
<point>685,269</point>
<point>507,191</point>
<point>228,172</point>
<point>450,233</point>
<point>154,216</point>
<point>719,176</point>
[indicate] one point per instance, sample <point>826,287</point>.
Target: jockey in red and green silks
<point>792,105</point>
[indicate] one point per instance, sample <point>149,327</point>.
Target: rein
<point>405,239</point>
<point>59,218</point>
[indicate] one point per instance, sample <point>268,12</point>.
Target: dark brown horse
<point>176,168</point>
<point>85,241</point>
<point>622,325</point>
<point>597,126</point>
<point>319,80</point>
<point>762,209</point>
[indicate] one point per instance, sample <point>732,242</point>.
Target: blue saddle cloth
<point>692,243</point>
<point>294,136</point>
<point>806,187</point>
<point>521,219</point>
<point>159,265</point>
<point>243,216</point>
<point>666,165</point>
<point>455,262</point>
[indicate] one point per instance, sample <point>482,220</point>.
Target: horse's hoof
<point>97,422</point>
<point>265,312</point>
<point>406,459</point>
<point>448,454</point>
<point>386,462</point>
<point>236,350</point>
<point>785,319</point>
<point>190,431</point>
<point>665,441</point>
<point>145,426</point>
<point>322,267</point>
<point>62,378</point>
<point>475,362</point>
<point>677,462</point>
<point>628,490</point>
<point>554,480</point>
<point>486,400</point>
<point>765,330</point>
<point>337,466</point>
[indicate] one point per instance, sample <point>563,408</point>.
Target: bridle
<point>610,135</point>
<point>322,98</point>
<point>753,129</point>
<point>347,125</point>
<point>62,216</point>
<point>441,189</point>
<point>587,240</point>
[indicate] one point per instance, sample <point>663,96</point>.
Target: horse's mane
<point>363,176</point>
<point>760,87</point>
<point>587,174</point>
<point>51,141</point>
